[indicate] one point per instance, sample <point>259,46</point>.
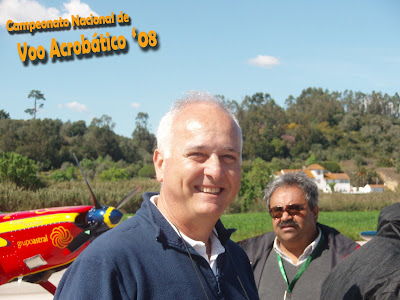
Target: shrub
<point>70,171</point>
<point>332,166</point>
<point>65,165</point>
<point>253,183</point>
<point>278,164</point>
<point>87,163</point>
<point>147,171</point>
<point>114,174</point>
<point>19,170</point>
<point>332,186</point>
<point>60,175</point>
<point>133,169</point>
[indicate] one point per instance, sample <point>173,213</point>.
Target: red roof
<point>308,173</point>
<point>342,176</point>
<point>378,186</point>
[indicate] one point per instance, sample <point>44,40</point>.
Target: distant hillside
<point>390,177</point>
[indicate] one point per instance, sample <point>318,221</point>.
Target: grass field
<point>348,223</point>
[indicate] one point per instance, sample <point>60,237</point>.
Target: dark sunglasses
<point>292,209</point>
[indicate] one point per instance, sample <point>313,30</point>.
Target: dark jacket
<point>373,271</point>
<point>259,247</point>
<point>144,258</point>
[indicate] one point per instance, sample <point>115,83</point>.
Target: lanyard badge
<point>287,296</point>
<point>290,286</point>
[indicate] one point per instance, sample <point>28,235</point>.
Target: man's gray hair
<point>164,131</point>
<point>298,179</point>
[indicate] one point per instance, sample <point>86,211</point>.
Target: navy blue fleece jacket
<point>144,258</point>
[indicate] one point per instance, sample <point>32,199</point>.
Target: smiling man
<point>175,247</point>
<point>199,168</point>
<point>293,261</point>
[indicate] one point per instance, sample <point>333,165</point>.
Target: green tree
<point>351,121</point>
<point>254,181</point>
<point>311,159</point>
<point>129,150</point>
<point>100,139</point>
<point>40,140</point>
<point>19,170</point>
<point>141,135</point>
<point>74,129</point>
<point>4,114</point>
<point>315,106</point>
<point>37,96</point>
<point>262,122</point>
<point>104,121</point>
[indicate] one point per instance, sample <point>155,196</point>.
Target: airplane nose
<point>95,215</point>
<point>108,216</point>
<point>115,216</point>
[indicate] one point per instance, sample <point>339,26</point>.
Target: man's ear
<point>315,212</point>
<point>158,159</point>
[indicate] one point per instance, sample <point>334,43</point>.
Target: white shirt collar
<point>199,246</point>
<point>303,257</point>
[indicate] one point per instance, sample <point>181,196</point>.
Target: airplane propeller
<point>100,218</point>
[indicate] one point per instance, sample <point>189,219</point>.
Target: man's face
<point>300,228</point>
<point>201,175</point>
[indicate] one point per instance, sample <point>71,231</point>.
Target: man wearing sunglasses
<point>293,261</point>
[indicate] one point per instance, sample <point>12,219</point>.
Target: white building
<point>323,178</point>
<point>374,188</point>
<point>339,181</point>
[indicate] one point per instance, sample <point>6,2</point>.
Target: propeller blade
<point>78,241</point>
<point>128,197</point>
<point>96,203</point>
<point>82,238</point>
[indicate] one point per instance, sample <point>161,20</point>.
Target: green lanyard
<point>302,268</point>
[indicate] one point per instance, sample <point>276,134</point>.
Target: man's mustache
<point>288,223</point>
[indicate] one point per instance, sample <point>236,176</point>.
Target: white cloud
<point>135,105</point>
<point>75,7</point>
<point>75,106</point>
<point>264,61</point>
<point>31,10</point>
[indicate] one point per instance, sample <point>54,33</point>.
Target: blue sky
<point>231,48</point>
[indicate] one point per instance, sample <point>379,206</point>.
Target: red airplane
<point>35,244</point>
